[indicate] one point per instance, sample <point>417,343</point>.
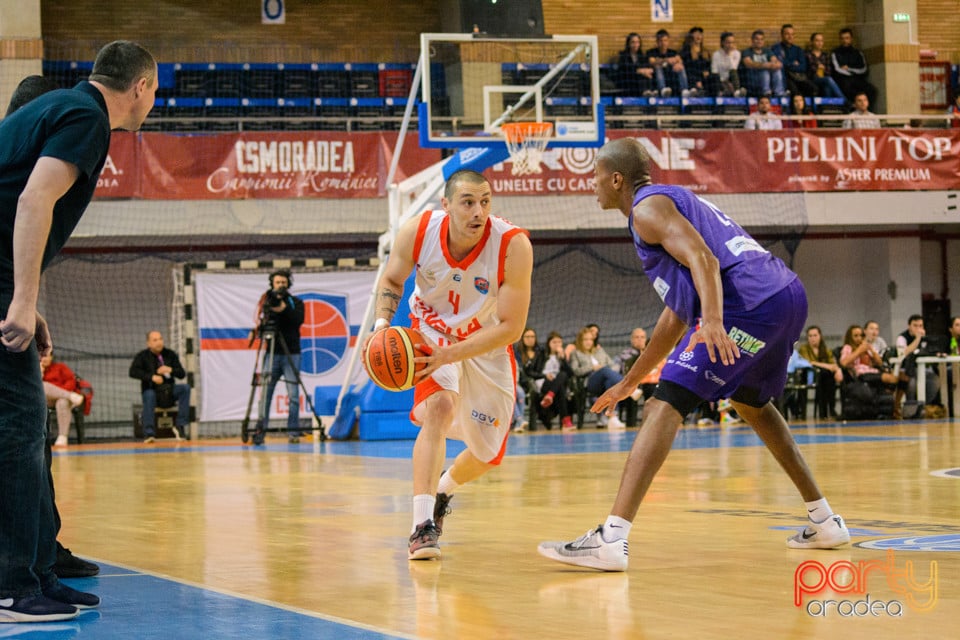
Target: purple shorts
<point>765,336</point>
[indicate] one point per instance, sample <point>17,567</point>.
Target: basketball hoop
<point>526,142</point>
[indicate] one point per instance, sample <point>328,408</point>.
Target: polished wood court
<point>320,529</point>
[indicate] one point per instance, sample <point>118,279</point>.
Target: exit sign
<point>901,17</point>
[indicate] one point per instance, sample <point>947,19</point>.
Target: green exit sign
<point>901,17</point>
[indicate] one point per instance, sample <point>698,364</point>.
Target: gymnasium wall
<point>364,31</point>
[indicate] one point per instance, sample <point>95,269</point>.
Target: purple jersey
<point>749,273</point>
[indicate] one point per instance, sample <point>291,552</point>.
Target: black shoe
<point>70,566</point>
<point>35,609</point>
<point>62,593</point>
<point>441,508</point>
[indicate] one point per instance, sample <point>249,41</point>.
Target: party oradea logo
<point>865,589</point>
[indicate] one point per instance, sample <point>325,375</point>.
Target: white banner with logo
<point>226,304</point>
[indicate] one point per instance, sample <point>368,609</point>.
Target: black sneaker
<point>423,542</point>
<point>67,595</point>
<point>35,609</point>
<point>441,508</point>
<point>70,566</point>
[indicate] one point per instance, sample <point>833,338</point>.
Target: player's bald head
<point>627,157</point>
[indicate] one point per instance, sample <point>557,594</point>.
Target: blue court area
<point>593,441</point>
<point>138,605</point>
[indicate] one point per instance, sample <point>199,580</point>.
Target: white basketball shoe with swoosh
<point>589,550</point>
<point>829,534</point>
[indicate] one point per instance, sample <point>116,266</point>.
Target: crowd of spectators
<point>780,70</point>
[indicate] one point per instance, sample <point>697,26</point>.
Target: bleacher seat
<point>830,106</point>
<point>333,81</point>
<point>731,107</point>
<point>698,107</point>
<point>332,108</point>
<point>223,108</point>
<point>297,81</point>
<point>364,82</point>
<point>627,106</point>
<point>561,106</point>
<point>394,80</point>
<point>261,81</point>
<point>263,113</point>
<point>296,108</point>
<point>192,81</point>
<point>227,83</point>
<point>368,108</point>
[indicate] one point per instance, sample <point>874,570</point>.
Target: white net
<point>526,142</point>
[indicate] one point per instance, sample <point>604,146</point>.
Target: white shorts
<point>486,386</point>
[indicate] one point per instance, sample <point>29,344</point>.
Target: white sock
<point>447,484</point>
<point>616,528</point>
<point>422,509</point>
<point>818,510</point>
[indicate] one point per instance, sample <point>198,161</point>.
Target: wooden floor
<point>318,531</point>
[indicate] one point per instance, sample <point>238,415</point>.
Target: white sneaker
<point>76,399</point>
<point>829,534</point>
<point>589,550</point>
<point>61,441</point>
<point>615,424</point>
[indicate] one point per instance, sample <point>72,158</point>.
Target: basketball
<point>389,356</point>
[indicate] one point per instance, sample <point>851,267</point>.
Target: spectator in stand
<point>763,118</point>
<point>634,73</point>
<point>762,71</point>
<point>696,62</point>
<point>850,69</point>
<point>860,358</point>
<point>861,117</point>
<point>724,65</point>
<point>556,375</point>
<point>871,333</point>
<point>594,331</point>
<point>667,66</point>
<point>648,384</point>
<point>911,344</point>
<point>820,68</point>
<point>590,361</point>
<point>794,63</point>
<point>799,107</point>
<point>815,352</point>
<point>954,110</point>
<point>60,387</point>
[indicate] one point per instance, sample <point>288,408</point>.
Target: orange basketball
<point>389,356</point>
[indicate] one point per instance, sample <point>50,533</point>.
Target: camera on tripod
<point>275,297</point>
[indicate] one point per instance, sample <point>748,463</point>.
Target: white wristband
<point>380,324</point>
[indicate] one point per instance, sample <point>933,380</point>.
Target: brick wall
<point>362,30</point>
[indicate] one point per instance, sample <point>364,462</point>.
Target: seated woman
<point>799,107</point>
<point>60,387</point>
<point>634,73</point>
<point>544,374</point>
<point>863,361</point>
<point>590,361</point>
<point>815,352</point>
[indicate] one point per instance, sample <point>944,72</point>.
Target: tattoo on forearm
<point>389,302</point>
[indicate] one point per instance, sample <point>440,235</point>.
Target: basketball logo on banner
<point>273,12</point>
<point>325,334</point>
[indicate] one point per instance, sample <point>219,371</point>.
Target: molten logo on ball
<point>389,357</point>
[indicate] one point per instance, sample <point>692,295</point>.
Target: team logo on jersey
<point>482,285</point>
<point>456,277</point>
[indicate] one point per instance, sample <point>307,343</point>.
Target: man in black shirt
<point>156,367</point>
<point>51,152</point>
<point>281,314</point>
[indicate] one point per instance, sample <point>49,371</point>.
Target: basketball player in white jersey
<point>471,298</point>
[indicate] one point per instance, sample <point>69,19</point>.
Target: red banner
<point>355,165</point>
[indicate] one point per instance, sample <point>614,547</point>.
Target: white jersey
<point>458,298</point>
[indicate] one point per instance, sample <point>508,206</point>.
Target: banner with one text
<point>334,304</point>
<point>320,164</point>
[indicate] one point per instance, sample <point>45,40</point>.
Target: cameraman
<point>282,313</point>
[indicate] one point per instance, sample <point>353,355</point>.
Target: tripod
<point>262,373</point>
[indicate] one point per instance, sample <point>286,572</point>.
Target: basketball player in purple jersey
<point>733,312</point>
